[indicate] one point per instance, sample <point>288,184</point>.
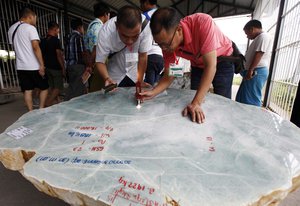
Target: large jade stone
<point>99,149</point>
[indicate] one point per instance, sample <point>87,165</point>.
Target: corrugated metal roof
<point>216,8</point>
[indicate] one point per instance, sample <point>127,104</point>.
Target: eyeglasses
<point>168,45</point>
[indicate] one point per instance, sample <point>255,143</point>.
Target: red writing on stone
<point>101,141</point>
<point>209,138</point>
<point>77,149</point>
<point>211,148</point>
<point>102,138</point>
<point>103,135</point>
<point>109,128</point>
<point>134,185</point>
<point>86,128</point>
<point>135,198</point>
<point>97,149</point>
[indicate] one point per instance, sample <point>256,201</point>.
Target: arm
<point>37,52</point>
<point>93,56</point>
<point>60,58</point>
<point>194,108</point>
<point>163,84</point>
<point>90,57</point>
<point>209,71</point>
<point>257,57</point>
<point>104,73</point>
<point>142,66</point>
<point>94,32</point>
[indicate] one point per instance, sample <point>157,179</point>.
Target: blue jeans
<point>155,64</point>
<point>222,81</point>
<point>250,91</point>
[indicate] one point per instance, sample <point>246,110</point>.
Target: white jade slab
<point>103,147</point>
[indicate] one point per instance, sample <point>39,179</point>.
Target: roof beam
<point>188,7</point>
<point>175,6</point>
<point>229,4</point>
<point>201,3</point>
<point>225,12</point>
<point>213,9</point>
<point>176,3</point>
<point>251,4</point>
<point>133,4</point>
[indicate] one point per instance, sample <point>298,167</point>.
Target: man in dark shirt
<point>54,62</point>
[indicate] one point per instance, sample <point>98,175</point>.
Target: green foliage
<point>237,80</point>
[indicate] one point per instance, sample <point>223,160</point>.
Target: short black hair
<point>113,14</point>
<point>101,9</point>
<point>129,17</point>
<point>76,23</point>
<point>253,23</point>
<point>164,18</point>
<point>152,2</point>
<point>25,12</point>
<point>52,25</point>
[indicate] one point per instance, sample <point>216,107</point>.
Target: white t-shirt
<point>25,57</point>
<point>262,43</point>
<point>124,62</point>
<point>155,49</point>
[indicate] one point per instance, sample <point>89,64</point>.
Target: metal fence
<point>286,70</point>
<point>9,10</point>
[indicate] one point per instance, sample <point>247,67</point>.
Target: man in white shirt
<point>29,61</point>
<point>127,45</point>
<point>155,62</point>
<point>257,61</point>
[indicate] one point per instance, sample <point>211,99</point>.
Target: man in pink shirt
<point>198,39</point>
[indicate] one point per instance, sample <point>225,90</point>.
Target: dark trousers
<point>126,82</point>
<point>222,81</point>
<point>76,87</point>
<point>155,65</point>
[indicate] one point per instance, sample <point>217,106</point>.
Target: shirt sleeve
<point>95,31</point>
<point>103,47</point>
<point>33,34</point>
<point>10,35</point>
<point>146,39</point>
<point>263,43</point>
<point>57,44</point>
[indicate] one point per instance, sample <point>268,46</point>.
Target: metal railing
<point>286,70</point>
<point>9,10</point>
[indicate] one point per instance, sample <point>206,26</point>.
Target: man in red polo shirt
<point>198,39</point>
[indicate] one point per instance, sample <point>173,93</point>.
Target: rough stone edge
<point>70,197</point>
<point>14,159</point>
<point>17,159</point>
<point>277,196</point>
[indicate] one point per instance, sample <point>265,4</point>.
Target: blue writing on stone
<point>77,160</point>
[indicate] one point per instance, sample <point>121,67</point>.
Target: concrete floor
<point>15,190</point>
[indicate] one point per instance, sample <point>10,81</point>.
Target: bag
<point>15,31</point>
<point>239,59</point>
